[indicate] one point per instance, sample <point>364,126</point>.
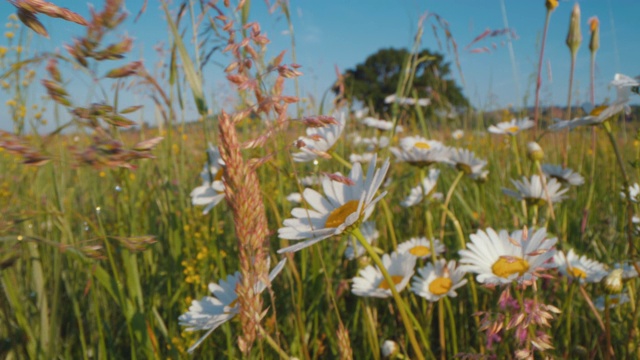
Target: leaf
<point>190,72</point>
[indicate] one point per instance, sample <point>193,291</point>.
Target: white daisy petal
<point>371,282</point>
<point>437,281</point>
<point>210,312</point>
<point>581,268</point>
<point>342,207</point>
<point>500,258</point>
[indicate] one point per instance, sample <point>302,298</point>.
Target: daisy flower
<point>533,192</point>
<point>500,258</point>
<point>420,247</point>
<point>628,270</point>
<point>467,162</point>
<point>360,113</point>
<point>421,152</point>
<point>634,191</point>
<point>624,81</point>
<point>579,267</point>
<point>371,143</point>
<point>212,190</point>
<point>210,312</point>
<point>601,113</point>
<point>457,134</point>
<point>310,180</point>
<point>381,124</point>
<point>437,281</point>
<point>369,232</point>
<point>426,189</point>
<point>294,197</point>
<point>371,282</point>
<point>511,127</point>
<point>389,349</point>
<point>406,100</point>
<point>614,301</point>
<point>561,174</point>
<point>319,140</point>
<point>480,177</point>
<point>361,158</point>
<point>595,116</point>
<point>342,207</point>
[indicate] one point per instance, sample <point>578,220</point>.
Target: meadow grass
<point>102,250</point>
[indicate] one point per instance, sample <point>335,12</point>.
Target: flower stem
<point>567,338</point>
<point>565,150</point>
<point>441,330</point>
<point>514,145</point>
<point>396,296</point>
<point>274,345</point>
<point>452,324</point>
<point>608,354</point>
<point>625,182</point>
<point>539,77</point>
<point>340,159</point>
<point>443,218</point>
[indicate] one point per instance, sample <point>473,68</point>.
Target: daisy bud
<point>574,37</point>
<point>594,27</point>
<point>389,349</point>
<point>551,4</point>
<point>534,151</point>
<point>613,282</point>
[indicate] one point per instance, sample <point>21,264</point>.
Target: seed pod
<point>574,37</point>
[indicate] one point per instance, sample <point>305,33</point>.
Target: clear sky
<point>343,33</point>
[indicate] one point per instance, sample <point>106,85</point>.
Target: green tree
<point>378,77</point>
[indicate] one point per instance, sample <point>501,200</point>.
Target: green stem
<point>443,218</point>
<point>625,182</point>
<point>567,339</point>
<point>539,77</point>
<point>441,330</point>
<point>340,159</point>
<point>389,217</point>
<point>516,153</point>
<point>592,183</point>
<point>452,324</point>
<point>375,344</point>
<point>608,354</point>
<point>274,345</point>
<point>565,150</point>
<point>396,296</point>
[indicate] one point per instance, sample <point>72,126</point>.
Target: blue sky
<point>343,33</point>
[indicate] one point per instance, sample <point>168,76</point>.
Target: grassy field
<point>102,249</point>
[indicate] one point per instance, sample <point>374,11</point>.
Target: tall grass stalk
<point>396,296</point>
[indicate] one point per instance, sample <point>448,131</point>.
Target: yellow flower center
<point>440,286</point>
<point>465,168</point>
<point>577,273</point>
<point>338,216</point>
<point>384,285</point>
<point>422,145</point>
<point>420,250</point>
<point>507,266</point>
<point>596,111</point>
<point>512,129</point>
<point>219,175</point>
<point>535,201</point>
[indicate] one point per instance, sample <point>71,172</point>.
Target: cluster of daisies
<point>346,204</point>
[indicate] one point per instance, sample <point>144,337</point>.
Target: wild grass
<point>101,249</point>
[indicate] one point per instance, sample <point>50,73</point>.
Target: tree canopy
<point>378,76</point>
